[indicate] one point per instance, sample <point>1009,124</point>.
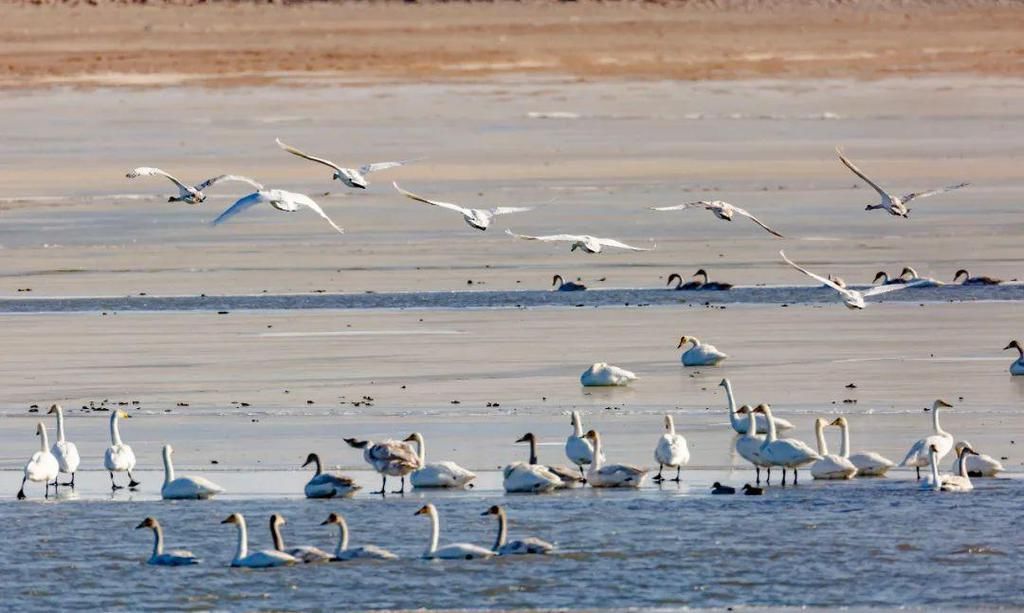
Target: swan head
<point>743,410</point>
<point>575,419</point>
<point>427,509</point>
<point>40,429</point>
<point>669,424</point>
<point>120,413</point>
<point>941,403</point>
<point>763,408</point>
<point>723,383</point>
<point>819,424</point>
<point>881,274</point>
<point>839,421</point>
<point>674,277</point>
<point>234,518</point>
<point>556,280</point>
<point>310,459</point>
<point>277,520</point>
<point>168,450</point>
<point>333,518</point>
<point>494,510</point>
<point>356,443</point>
<point>685,339</point>
<point>413,438</point>
<point>592,435</point>
<point>1012,345</point>
<point>55,408</point>
<point>962,271</point>
<point>909,271</point>
<point>701,273</point>
<point>149,522</point>
<point>963,447</point>
<point>526,438</point>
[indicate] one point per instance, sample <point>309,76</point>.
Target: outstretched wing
<point>215,180</point>
<point>549,238</point>
<point>307,202</point>
<point>948,188</point>
<point>507,210</point>
<point>747,214</point>
<point>611,242</point>
<point>885,289</point>
<point>860,174</point>
<point>368,168</point>
<point>443,205</point>
<point>678,207</point>
<point>306,156</point>
<point>146,171</point>
<point>242,204</point>
<point>819,278</point>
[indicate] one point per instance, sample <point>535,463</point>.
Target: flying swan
<point>852,298</point>
<point>476,218</point>
<point>897,206</point>
<point>187,193</point>
<point>288,202</point>
<point>352,177</point>
<point>583,242</point>
<point>721,210</point>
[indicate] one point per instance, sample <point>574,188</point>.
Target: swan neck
<point>275,532</point>
<point>243,540</point>
<point>844,448</point>
<point>158,540</point>
<point>421,448</point>
<point>115,434</point>
<point>670,425</point>
<point>533,451</point>
<point>60,426</point>
<point>752,423</point>
<point>44,441</point>
<point>502,530</point>
<point>319,469</point>
<point>577,427</point>
<point>772,434</point>
<point>435,528</point>
<point>168,467</point>
<point>963,465</point>
<point>595,464</point>
<point>934,461</point>
<point>342,537</point>
<point>935,421</point>
<point>819,432</point>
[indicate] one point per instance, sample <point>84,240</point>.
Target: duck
<point>455,551</point>
<point>528,545</point>
<point>978,464</point>
<point>603,374</point>
<point>830,466</point>
<point>611,475</point>
<point>185,488</point>
<point>868,463</point>
<point>969,280</point>
<point>119,458</point>
<point>785,452</point>
<point>342,553</point>
<point>42,467</point>
<point>701,354</point>
<point>750,490</point>
<point>948,483</point>
<point>749,445</point>
<point>303,553</point>
<point>567,477</point>
<point>671,451</point>
<point>740,424</point>
<point>265,558</point>
<point>719,489</point>
<point>388,458</point>
<point>327,484</point>
<point>1017,367</point>
<point>437,474</point>
<point>561,285</point>
<point>884,276</point>
<point>65,451</point>
<point>159,557</point>
<point>917,280</point>
<point>577,447</point>
<point>918,455</point>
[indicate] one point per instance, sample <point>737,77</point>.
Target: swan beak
<point>524,438</point>
<point>836,422</point>
<point>943,403</point>
<point>142,524</point>
<point>1012,345</point>
<point>230,519</point>
<point>409,439</point>
<point>487,512</point>
<point>423,511</point>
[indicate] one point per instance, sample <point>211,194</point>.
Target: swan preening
<point>583,242</point>
<point>119,458</point>
<point>611,475</point>
<point>352,177</point>
<point>528,545</point>
<point>896,206</point>
<point>784,452</point>
<point>187,193</point>
<point>389,458</point>
<point>65,451</point>
<point>303,553</point>
<point>969,280</point>
<point>852,298</point>
<point>578,448</point>
<point>700,354</point>
<point>671,450</point>
<point>868,463</point>
<point>721,210</point>
<point>978,464</point>
<point>829,465</point>
<point>739,424</point>
<point>940,440</point>
<point>1017,367</point>
<point>561,285</point>
<point>327,484</point>
<point>343,553</point>
<point>185,488</point>
<point>288,202</point>
<point>697,284</point>
<point>959,482</point>
<point>476,218</point>
<point>455,551</point>
<point>42,467</point>
<point>603,374</point>
<point>265,558</point>
<point>159,557</point>
<point>436,474</point>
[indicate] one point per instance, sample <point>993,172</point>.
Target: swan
<point>327,484</point>
<point>437,474</point>
<point>721,210</point>
<point>671,450</point>
<point>719,489</point>
<point>868,463</point>
<point>265,558</point>
<point>456,551</point>
<point>352,177</point>
<point>852,298</point>
<point>65,452</point>
<point>602,374</point>
<point>528,545</point>
<point>303,553</point>
<point>969,280</point>
<point>612,475</point>
<point>288,202</point>
<point>680,286</point>
<point>896,206</point>
<point>960,482</point>
<point>187,193</point>
<point>343,553</point>
<point>567,477</point>
<point>978,464</point>
<point>702,283</point>
<point>918,280</point>
<point>185,488</point>
<point>784,452</point>
<point>749,445</point>
<point>577,447</point>
<point>119,458</point>
<point>389,458</point>
<point>583,242</point>
<point>830,466</point>
<point>837,280</point>
<point>884,276</point>
<point>566,286</point>
<point>176,557</point>
<point>1017,368</point>
<point>476,218</point>
<point>940,439</point>
<point>42,466</point>
<point>740,425</point>
<point>700,354</point>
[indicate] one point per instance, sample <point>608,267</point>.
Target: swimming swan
<point>868,463</point>
<point>918,280</point>
<point>947,483</point>
<point>1017,368</point>
<point>740,424</point>
<point>918,455</point>
<point>830,466</point>
<point>185,488</point>
<point>612,475</point>
<point>700,354</point>
<point>327,484</point>
<point>389,458</point>
<point>42,466</point>
<point>159,557</point>
<point>566,286</point>
<point>969,280</point>
<point>884,276</point>
<point>456,551</point>
<point>697,284</point>
<point>528,545</point>
<point>342,553</point>
<point>602,374</point>
<point>265,558</point>
<point>437,474</point>
<point>65,451</point>
<point>671,450</point>
<point>785,452</point>
<point>119,458</point>
<point>566,476</point>
<point>303,553</point>
<point>978,464</point>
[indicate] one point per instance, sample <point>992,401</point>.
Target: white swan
<point>1017,368</point>
<point>830,466</point>
<point>42,466</point>
<point>671,450</point>
<point>265,558</point>
<point>740,424</point>
<point>159,557</point>
<point>918,280</point>
<point>577,447</point>
<point>566,476</point>
<point>701,354</point>
<point>389,458</point>
<point>612,475</point>
<point>602,374</point>
<point>947,483</point>
<point>455,551</point>
<point>288,202</point>
<point>918,455</point>
<point>306,554</point>
<point>528,545</point>
<point>187,193</point>
<point>896,206</point>
<point>476,218</point>
<point>784,452</point>
<point>437,474</point>
<point>583,242</point>
<point>978,464</point>
<point>65,451</point>
<point>342,553</point>
<point>327,484</point>
<point>185,488</point>
<point>868,463</point>
<point>749,444</point>
<point>720,209</point>
<point>352,177</point>
<point>853,299</point>
<point>119,458</point>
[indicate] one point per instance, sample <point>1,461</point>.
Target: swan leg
<point>758,469</point>
<point>132,483</point>
<point>918,473</point>
<point>114,486</point>
<point>583,475</point>
<point>783,475</point>
<point>658,476</point>
<point>72,482</point>
<point>383,485</point>
<point>21,492</point>
<point>768,481</point>
<point>400,490</point>
<point>678,470</point>
<point>795,473</point>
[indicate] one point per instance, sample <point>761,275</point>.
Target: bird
<point>1017,367</point>
<point>720,209</point>
<point>528,545</point>
<point>837,280</point>
<point>852,298</point>
<point>352,177</point>
<point>602,374</point>
<point>691,285</point>
<point>389,458</point>
<point>960,482</point>
<point>185,488</point>
<point>749,444</point>
<point>886,280</point>
<point>187,193</point>
<point>896,206</point>
<point>119,458</point>
<point>42,466</point>
<point>455,551</point>
<point>671,451</point>
<point>830,465</point>
<point>700,281</point>
<point>868,463</point>
<point>66,452</point>
<point>718,488</point>
<point>750,490</point>
<point>700,354</point>
<point>476,218</point>
<point>159,557</point>
<point>436,474</point>
<point>740,425</point>
<point>327,484</point>
<point>577,447</point>
<point>264,558</point>
<point>566,476</point>
<point>342,553</point>
<point>785,452</point>
<point>583,242</point>
<point>306,554</point>
<point>561,285</point>
<point>611,475</point>
<point>969,280</point>
<point>917,279</point>
<point>941,440</point>
<point>282,200</point>
<point>978,464</point>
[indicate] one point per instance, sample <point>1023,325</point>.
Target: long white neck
<point>421,446</point>
<point>115,435</point>
<point>168,467</point>
<point>243,540</point>
<point>935,421</point>
<point>670,425</point>
<point>751,423</point>
<point>502,530</point>
<point>60,425</point>
<point>158,540</point>
<point>733,417</point>
<point>819,432</point>
<point>435,529</point>
<point>577,427</point>
<point>275,534</point>
<point>596,463</point>
<point>772,435</point>
<point>844,447</point>
<point>695,341</point>
<point>342,537</point>
<point>44,442</point>
<point>934,460</point>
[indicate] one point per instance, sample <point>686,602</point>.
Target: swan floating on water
<point>602,374</point>
<point>185,488</point>
<point>948,483</point>
<point>1017,368</point>
<point>187,193</point>
<point>830,466</point>
<point>896,206</point>
<point>528,545</point>
<point>701,354</point>
<point>567,477</point>
<point>671,451</point>
<point>65,451</point>
<point>352,177</point>
<point>868,463</point>
<point>941,440</point>
<point>611,475</point>
<point>577,447</point>
<point>740,425</point>
<point>265,558</point>
<point>476,218</point>
<point>288,202</point>
<point>583,242</point>
<point>561,285</point>
<point>720,209</point>
<point>852,298</point>
<point>327,484</point>
<point>306,554</point>
<point>918,280</point>
<point>119,458</point>
<point>969,280</point>
<point>455,551</point>
<point>886,280</point>
<point>784,452</point>
<point>42,467</point>
<point>436,474</point>
<point>978,464</point>
<point>342,553</point>
<point>388,458</point>
<point>159,557</point>
<point>695,284</point>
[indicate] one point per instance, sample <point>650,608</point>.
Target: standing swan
<point>119,458</point>
<point>264,558</point>
<point>868,463</point>
<point>577,448</point>
<point>343,553</point>
<point>919,454</point>
<point>749,445</point>
<point>948,483</point>
<point>671,450</point>
<point>740,425</point>
<point>42,467</point>
<point>830,466</point>
<point>700,354</point>
<point>66,452</point>
<point>784,452</point>
<point>1017,368</point>
<point>393,458</point>
<point>602,374</point>
<point>456,551</point>
<point>612,475</point>
<point>302,553</point>
<point>185,488</point>
<point>528,545</point>
<point>176,557</point>
<point>438,474</point>
<point>327,484</point>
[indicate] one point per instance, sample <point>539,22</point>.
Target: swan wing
<point>857,171</point>
<point>679,207</point>
<point>885,289</point>
<point>242,204</point>
<point>940,190</point>
<point>528,545</point>
<point>548,238</point>
<point>611,242</point>
<point>147,171</point>
<point>306,201</point>
<point>508,210</point>
<point>443,205</point>
<point>747,214</point>
<point>306,156</point>
<point>223,178</point>
<point>810,274</point>
<point>368,168</point>
<point>462,551</point>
